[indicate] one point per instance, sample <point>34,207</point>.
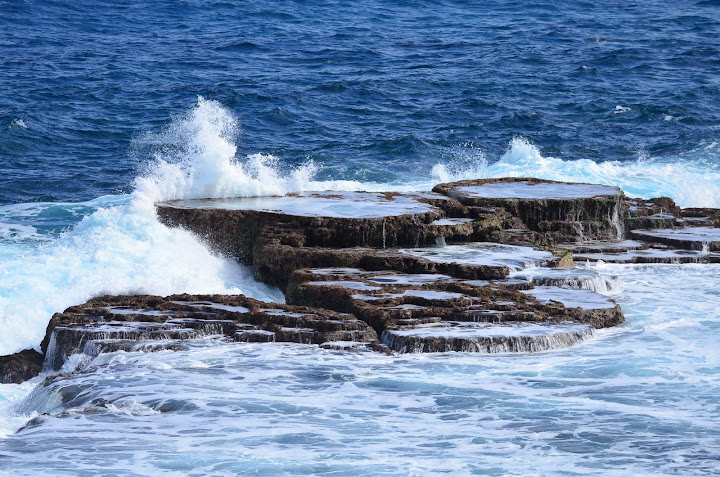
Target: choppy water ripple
<point>370,90</point>
<point>100,116</point>
<point>638,400</point>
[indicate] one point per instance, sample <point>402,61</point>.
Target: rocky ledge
<point>481,266</point>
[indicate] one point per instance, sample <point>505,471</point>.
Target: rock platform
<point>483,266</point>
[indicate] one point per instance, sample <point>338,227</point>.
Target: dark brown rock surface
<point>557,210</point>
<point>152,323</point>
<point>20,367</point>
<point>424,271</point>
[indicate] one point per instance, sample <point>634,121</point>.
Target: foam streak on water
<point>641,399</point>
<point>692,179</point>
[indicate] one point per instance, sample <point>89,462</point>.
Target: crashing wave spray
<point>121,248</point>
<point>196,158</point>
<point>691,179</point>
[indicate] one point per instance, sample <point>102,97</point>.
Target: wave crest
<point>691,179</point>
<point>195,157</point>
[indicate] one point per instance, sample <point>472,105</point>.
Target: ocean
<point>108,107</point>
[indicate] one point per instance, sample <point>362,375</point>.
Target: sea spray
<point>123,249</point>
<point>692,180</point>
<point>119,246</point>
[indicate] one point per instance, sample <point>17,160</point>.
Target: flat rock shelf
<point>483,266</point>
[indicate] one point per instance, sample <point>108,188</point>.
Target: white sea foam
<point>120,247</point>
<point>641,398</point>
<point>621,109</point>
<point>198,160</point>
<point>691,179</point>
<point>18,232</point>
<point>17,123</point>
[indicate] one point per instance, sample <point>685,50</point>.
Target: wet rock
<point>584,306</point>
<point>325,219</point>
<point>705,239</point>
<point>509,257</point>
<point>651,255</point>
<point>429,271</point>
<point>702,217</point>
<point>597,246</point>
<point>20,367</point>
<point>150,323</point>
<point>577,278</point>
<point>484,338</point>
<point>651,213</point>
<point>557,210</point>
<point>410,301</point>
<point>274,262</point>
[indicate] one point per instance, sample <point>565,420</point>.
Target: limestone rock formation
<point>477,266</point>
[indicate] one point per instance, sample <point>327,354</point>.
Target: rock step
<point>68,340</point>
<point>147,323</point>
<point>653,221</point>
<point>483,338</point>
<point>548,206</point>
<point>275,262</point>
<point>577,278</point>
<point>651,255</point>
<point>486,254</point>
<point>603,246</point>
<point>705,239</point>
<point>95,347</point>
<point>400,300</point>
<point>325,219</point>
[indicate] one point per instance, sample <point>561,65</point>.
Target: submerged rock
<point>483,338</point>
<point>149,323</point>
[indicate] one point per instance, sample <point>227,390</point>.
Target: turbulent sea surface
<point>106,108</point>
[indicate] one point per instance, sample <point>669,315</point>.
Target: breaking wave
<point>117,245</point>
<point>692,180</point>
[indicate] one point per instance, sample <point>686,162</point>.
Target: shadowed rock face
<point>321,219</point>
<point>20,367</point>
<point>556,209</point>
<point>428,272</point>
<point>150,323</point>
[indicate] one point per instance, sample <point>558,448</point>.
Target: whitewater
<point>642,397</point>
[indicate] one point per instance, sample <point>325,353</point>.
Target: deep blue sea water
<point>106,107</point>
<point>371,90</point>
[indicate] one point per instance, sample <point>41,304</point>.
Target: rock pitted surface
<point>553,209</point>
<point>478,266</point>
<point>20,366</point>
<point>151,323</point>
